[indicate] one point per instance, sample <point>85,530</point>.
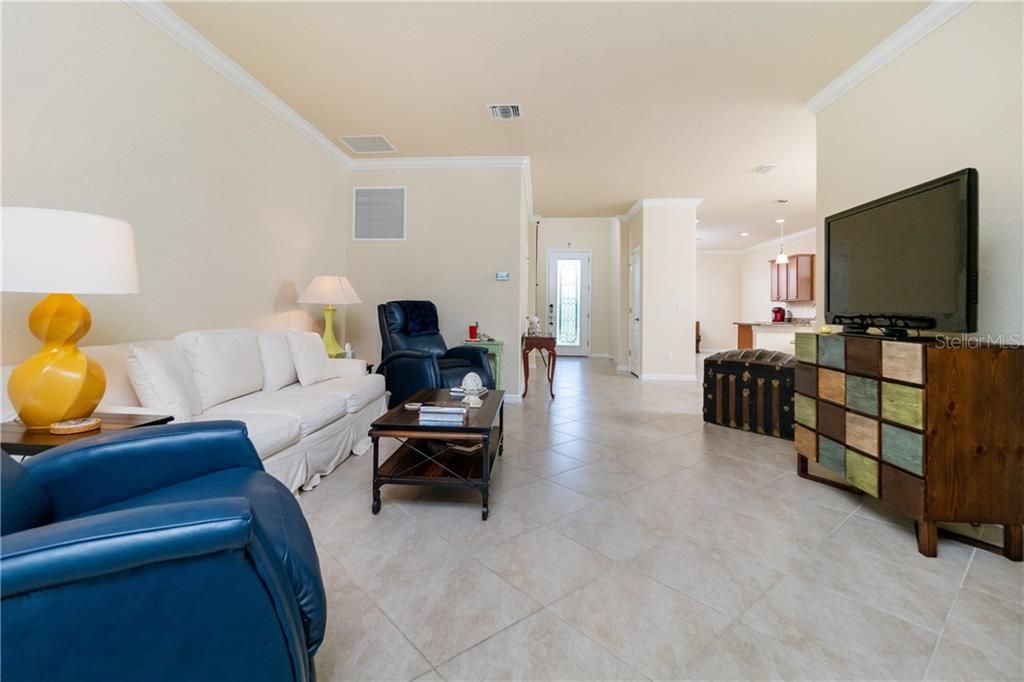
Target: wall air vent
<point>378,213</point>
<point>368,144</point>
<point>504,112</point>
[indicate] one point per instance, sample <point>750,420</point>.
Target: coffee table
<point>427,454</point>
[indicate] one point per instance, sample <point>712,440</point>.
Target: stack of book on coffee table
<point>443,413</point>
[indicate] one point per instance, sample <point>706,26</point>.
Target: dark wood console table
<point>540,343</point>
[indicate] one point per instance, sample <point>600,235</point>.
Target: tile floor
<point>629,541</point>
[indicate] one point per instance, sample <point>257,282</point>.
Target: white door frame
<point>635,326</point>
<point>585,298</point>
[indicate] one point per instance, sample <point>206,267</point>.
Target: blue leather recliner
<point>158,553</point>
<point>414,355</point>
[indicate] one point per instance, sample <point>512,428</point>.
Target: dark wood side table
<point>428,454</point>
<point>19,440</point>
<point>540,343</point>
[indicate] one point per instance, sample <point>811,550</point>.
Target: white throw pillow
<point>162,378</point>
<point>226,363</point>
<point>278,368</point>
<point>310,357</point>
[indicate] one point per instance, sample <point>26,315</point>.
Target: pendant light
<point>782,258</point>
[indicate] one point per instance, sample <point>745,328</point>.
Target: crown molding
<point>177,28</point>
<point>920,25</point>
<point>399,162</point>
<point>671,202</point>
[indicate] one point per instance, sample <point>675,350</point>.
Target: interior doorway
<point>568,298</point>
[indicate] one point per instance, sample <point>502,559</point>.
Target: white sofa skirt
<point>301,465</point>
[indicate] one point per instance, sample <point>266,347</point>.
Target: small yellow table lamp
<point>62,253</point>
<point>329,291</point>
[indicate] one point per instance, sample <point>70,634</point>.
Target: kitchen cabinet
<point>793,281</point>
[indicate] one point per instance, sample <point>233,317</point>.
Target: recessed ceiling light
<point>744,234</point>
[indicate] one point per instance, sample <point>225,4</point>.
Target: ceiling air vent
<point>368,144</point>
<point>379,213</point>
<point>504,112</point>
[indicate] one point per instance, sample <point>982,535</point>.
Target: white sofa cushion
<point>356,391</point>
<point>269,433</point>
<point>312,410</point>
<point>278,367</point>
<point>162,378</point>
<point>226,363</point>
<point>348,367</point>
<point>310,357</point>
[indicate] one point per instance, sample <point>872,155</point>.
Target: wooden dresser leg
<point>1013,542</point>
<point>927,538</point>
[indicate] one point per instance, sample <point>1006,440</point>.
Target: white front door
<point>568,314</point>
<point>634,312</point>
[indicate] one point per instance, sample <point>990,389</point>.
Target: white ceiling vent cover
<point>368,144</point>
<point>379,213</point>
<point>504,112</point>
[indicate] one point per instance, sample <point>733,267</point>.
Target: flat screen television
<point>906,261</point>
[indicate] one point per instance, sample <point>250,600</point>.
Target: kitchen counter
<point>773,335</point>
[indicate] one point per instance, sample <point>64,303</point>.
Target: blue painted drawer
<point>832,351</point>
<point>903,448</point>
<point>832,455</point>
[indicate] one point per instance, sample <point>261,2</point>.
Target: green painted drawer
<point>903,448</point>
<point>832,351</point>
<point>831,455</point>
<point>807,347</point>
<point>805,410</point>
<point>862,472</point>
<point>903,404</point>
<point>862,395</point>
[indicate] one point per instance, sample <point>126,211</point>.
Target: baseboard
<point>605,356</point>
<point>622,368</point>
<point>513,398</point>
<point>712,351</point>
<point>668,377</point>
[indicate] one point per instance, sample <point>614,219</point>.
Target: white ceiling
<point>620,100</point>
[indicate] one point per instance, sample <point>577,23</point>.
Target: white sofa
<point>305,413</point>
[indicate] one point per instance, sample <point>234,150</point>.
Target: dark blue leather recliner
<point>158,553</point>
<point>414,355</point>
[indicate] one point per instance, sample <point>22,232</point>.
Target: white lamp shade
<point>330,290</point>
<point>65,252</point>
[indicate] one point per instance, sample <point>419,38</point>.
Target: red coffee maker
<point>778,314</point>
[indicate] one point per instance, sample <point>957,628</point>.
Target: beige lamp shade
<point>330,290</point>
<point>51,251</point>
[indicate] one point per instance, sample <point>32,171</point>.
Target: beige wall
<point>951,101</point>
<point>234,212</point>
<point>589,234</point>
<point>719,283</point>
<point>756,296</point>
<point>462,227</point>
<point>669,273</point>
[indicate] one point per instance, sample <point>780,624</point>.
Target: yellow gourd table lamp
<point>329,291</point>
<point>62,253</point>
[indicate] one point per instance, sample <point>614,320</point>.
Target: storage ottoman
<point>750,389</point>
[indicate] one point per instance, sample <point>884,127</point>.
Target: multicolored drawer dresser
<point>933,428</point>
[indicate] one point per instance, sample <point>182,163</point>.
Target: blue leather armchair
<point>159,553</point>
<point>414,355</point>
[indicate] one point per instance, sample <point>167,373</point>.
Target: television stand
<point>931,429</point>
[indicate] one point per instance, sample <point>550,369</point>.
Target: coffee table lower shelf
<point>434,462</point>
